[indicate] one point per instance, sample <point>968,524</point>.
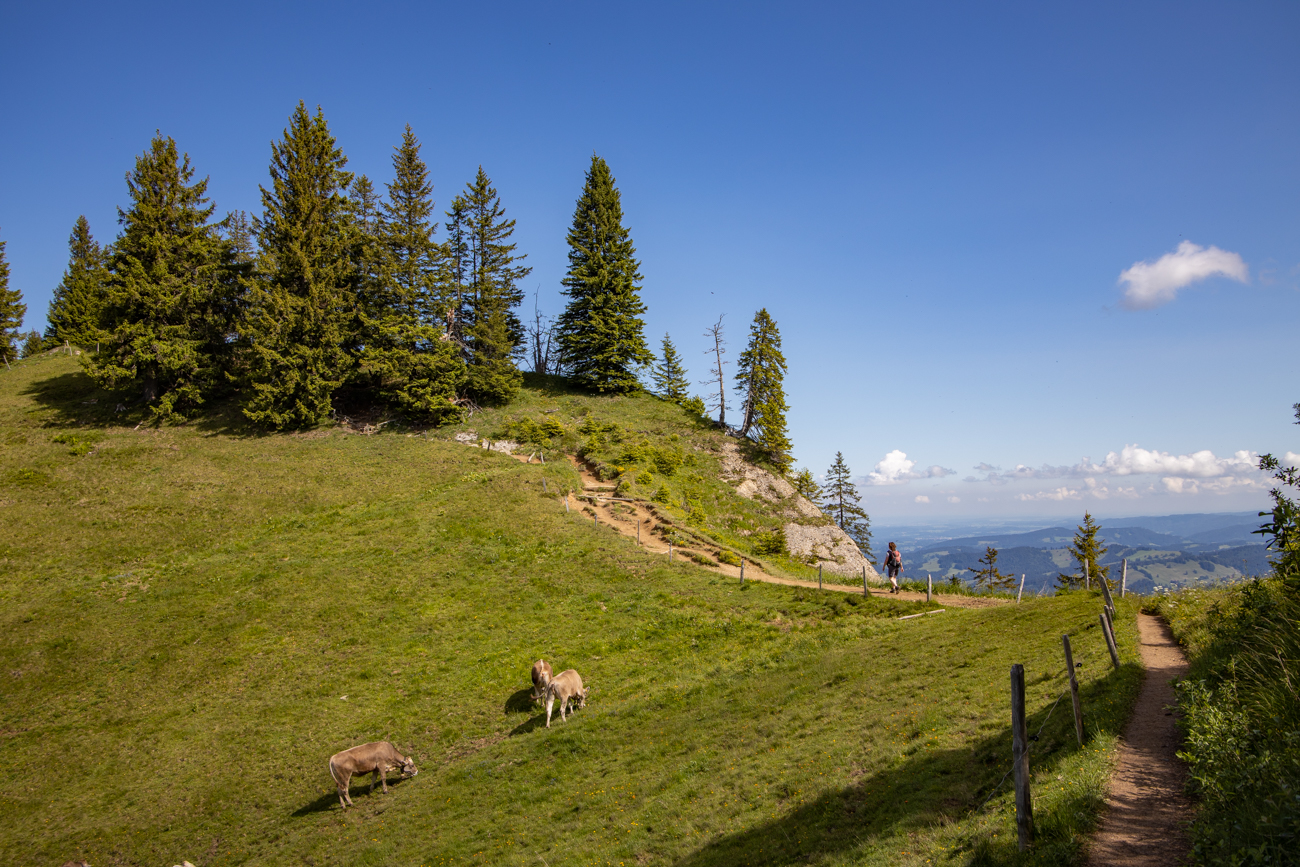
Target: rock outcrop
<point>825,543</point>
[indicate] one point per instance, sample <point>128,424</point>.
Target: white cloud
<point>1291,459</point>
<point>896,468</point>
<point>1151,284</point>
<point>954,499</point>
<point>1133,460</point>
<point>922,498</point>
<point>1059,494</point>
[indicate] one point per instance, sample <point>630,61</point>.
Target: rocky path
<point>1147,812</point>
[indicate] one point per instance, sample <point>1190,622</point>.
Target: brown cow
<point>376,758</point>
<point>565,686</point>
<point>541,677</point>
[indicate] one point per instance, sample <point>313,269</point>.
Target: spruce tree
<point>33,344</point>
<point>988,576</point>
<point>77,308</point>
<point>840,499</point>
<point>806,486</point>
<point>240,237</point>
<point>493,331</point>
<point>669,375</point>
<point>601,331</point>
<point>1087,550</point>
<point>300,321</point>
<point>12,311</point>
<point>170,297</point>
<point>404,353</point>
<point>760,375</point>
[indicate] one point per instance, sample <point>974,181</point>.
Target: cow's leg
<point>373,776</point>
<point>342,784</point>
<point>550,702</point>
<point>564,709</point>
<point>382,770</point>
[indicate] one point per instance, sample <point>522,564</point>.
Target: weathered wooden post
<point>566,502</point>
<point>1022,588</point>
<point>865,592</point>
<point>819,576</point>
<point>670,552</point>
<point>1110,640</point>
<point>1020,758</point>
<point>595,519</point>
<point>929,587</point>
<point>1074,689</point>
<point>638,532</point>
<point>1087,582</point>
<point>1105,592</point>
<point>1123,577</point>
<point>542,455</point>
<point>742,573</point>
<point>543,486</point>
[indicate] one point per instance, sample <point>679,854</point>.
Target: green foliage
<point>170,305</point>
<point>1087,551</point>
<point>600,330</point>
<point>806,485</point>
<point>769,542</point>
<point>667,460</point>
<point>695,407</point>
<point>645,478</point>
<point>12,311</point>
<point>300,322</point>
<point>988,576</point>
<point>1241,714</point>
<point>663,495</point>
<point>840,498</point>
<point>76,311</point>
<point>1283,528</point>
<point>33,344</point>
<point>669,375</point>
<point>727,557</point>
<point>760,374</point>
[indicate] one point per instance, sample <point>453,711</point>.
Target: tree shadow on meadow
<point>74,400</point>
<point>932,788</point>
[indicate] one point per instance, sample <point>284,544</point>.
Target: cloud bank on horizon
<point>1151,284</point>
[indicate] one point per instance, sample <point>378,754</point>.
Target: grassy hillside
<point>194,619</point>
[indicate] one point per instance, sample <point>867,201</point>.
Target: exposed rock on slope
<point>826,543</point>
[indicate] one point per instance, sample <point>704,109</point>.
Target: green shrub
<point>624,488</point>
<point>662,495</point>
<point>667,461</point>
<point>695,407</point>
<point>644,478</point>
<point>702,559</point>
<point>770,542</point>
<point>729,558</point>
<point>552,428</point>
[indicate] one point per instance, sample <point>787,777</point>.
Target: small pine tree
<point>988,576</point>
<point>840,499</point>
<point>601,331</point>
<point>33,344</point>
<point>493,332</point>
<point>669,375</point>
<point>169,304</point>
<point>805,484</point>
<point>300,321</point>
<point>1086,550</point>
<point>12,311</point>
<point>77,309</point>
<point>760,374</point>
<point>1283,530</point>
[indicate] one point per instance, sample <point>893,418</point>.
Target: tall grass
<point>1241,706</point>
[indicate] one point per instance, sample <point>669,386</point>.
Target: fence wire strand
<point>1034,738</point>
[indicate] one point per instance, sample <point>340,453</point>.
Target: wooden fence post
<point>1110,640</point>
<point>1022,588</point>
<point>1074,689</point>
<point>1123,577</point>
<point>1105,592</point>
<point>670,552</point>
<point>819,576</point>
<point>929,587</point>
<point>1020,758</point>
<point>543,486</point>
<point>865,594</point>
<point>542,455</point>
<point>566,502</point>
<point>638,532</point>
<point>742,572</point>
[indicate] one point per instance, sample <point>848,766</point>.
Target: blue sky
<point>936,202</point>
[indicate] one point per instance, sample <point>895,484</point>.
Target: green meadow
<point>195,618</point>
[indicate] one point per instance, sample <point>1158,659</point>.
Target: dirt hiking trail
<point>625,515</point>
<point>1145,824</point>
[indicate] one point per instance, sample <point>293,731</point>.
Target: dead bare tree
<point>716,375</point>
<point>543,349</point>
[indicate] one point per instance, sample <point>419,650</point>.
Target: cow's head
<point>408,768</point>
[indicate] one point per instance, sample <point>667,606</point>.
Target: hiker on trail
<point>893,566</point>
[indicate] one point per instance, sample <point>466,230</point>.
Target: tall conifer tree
<point>404,350</point>
<point>760,376</point>
<point>77,308</point>
<point>840,500</point>
<point>601,330</point>
<point>493,331</point>
<point>1086,550</point>
<point>669,375</point>
<point>12,311</point>
<point>299,320</point>
<point>170,297</point>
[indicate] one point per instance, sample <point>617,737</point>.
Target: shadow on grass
<point>519,702</point>
<point>935,788</point>
<point>355,790</point>
<point>532,723</point>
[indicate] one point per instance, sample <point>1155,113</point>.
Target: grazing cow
<point>565,686</point>
<point>541,677</point>
<point>377,758</point>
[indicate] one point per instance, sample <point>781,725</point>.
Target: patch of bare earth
<point>1146,819</point>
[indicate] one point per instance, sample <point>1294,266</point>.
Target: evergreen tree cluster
<point>12,311</point>
<point>334,292</point>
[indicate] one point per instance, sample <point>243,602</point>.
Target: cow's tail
<point>334,773</point>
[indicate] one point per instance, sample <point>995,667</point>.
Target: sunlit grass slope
<point>188,633</point>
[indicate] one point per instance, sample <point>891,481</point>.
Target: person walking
<point>893,566</point>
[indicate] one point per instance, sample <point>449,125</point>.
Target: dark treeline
<point>338,293</point>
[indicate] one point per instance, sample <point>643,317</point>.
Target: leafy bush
<point>644,478</point>
<point>695,407</point>
<point>662,495</point>
<point>667,461</point>
<point>771,542</point>
<point>729,558</point>
<point>702,559</point>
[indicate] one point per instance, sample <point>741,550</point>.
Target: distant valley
<point>1164,553</point>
